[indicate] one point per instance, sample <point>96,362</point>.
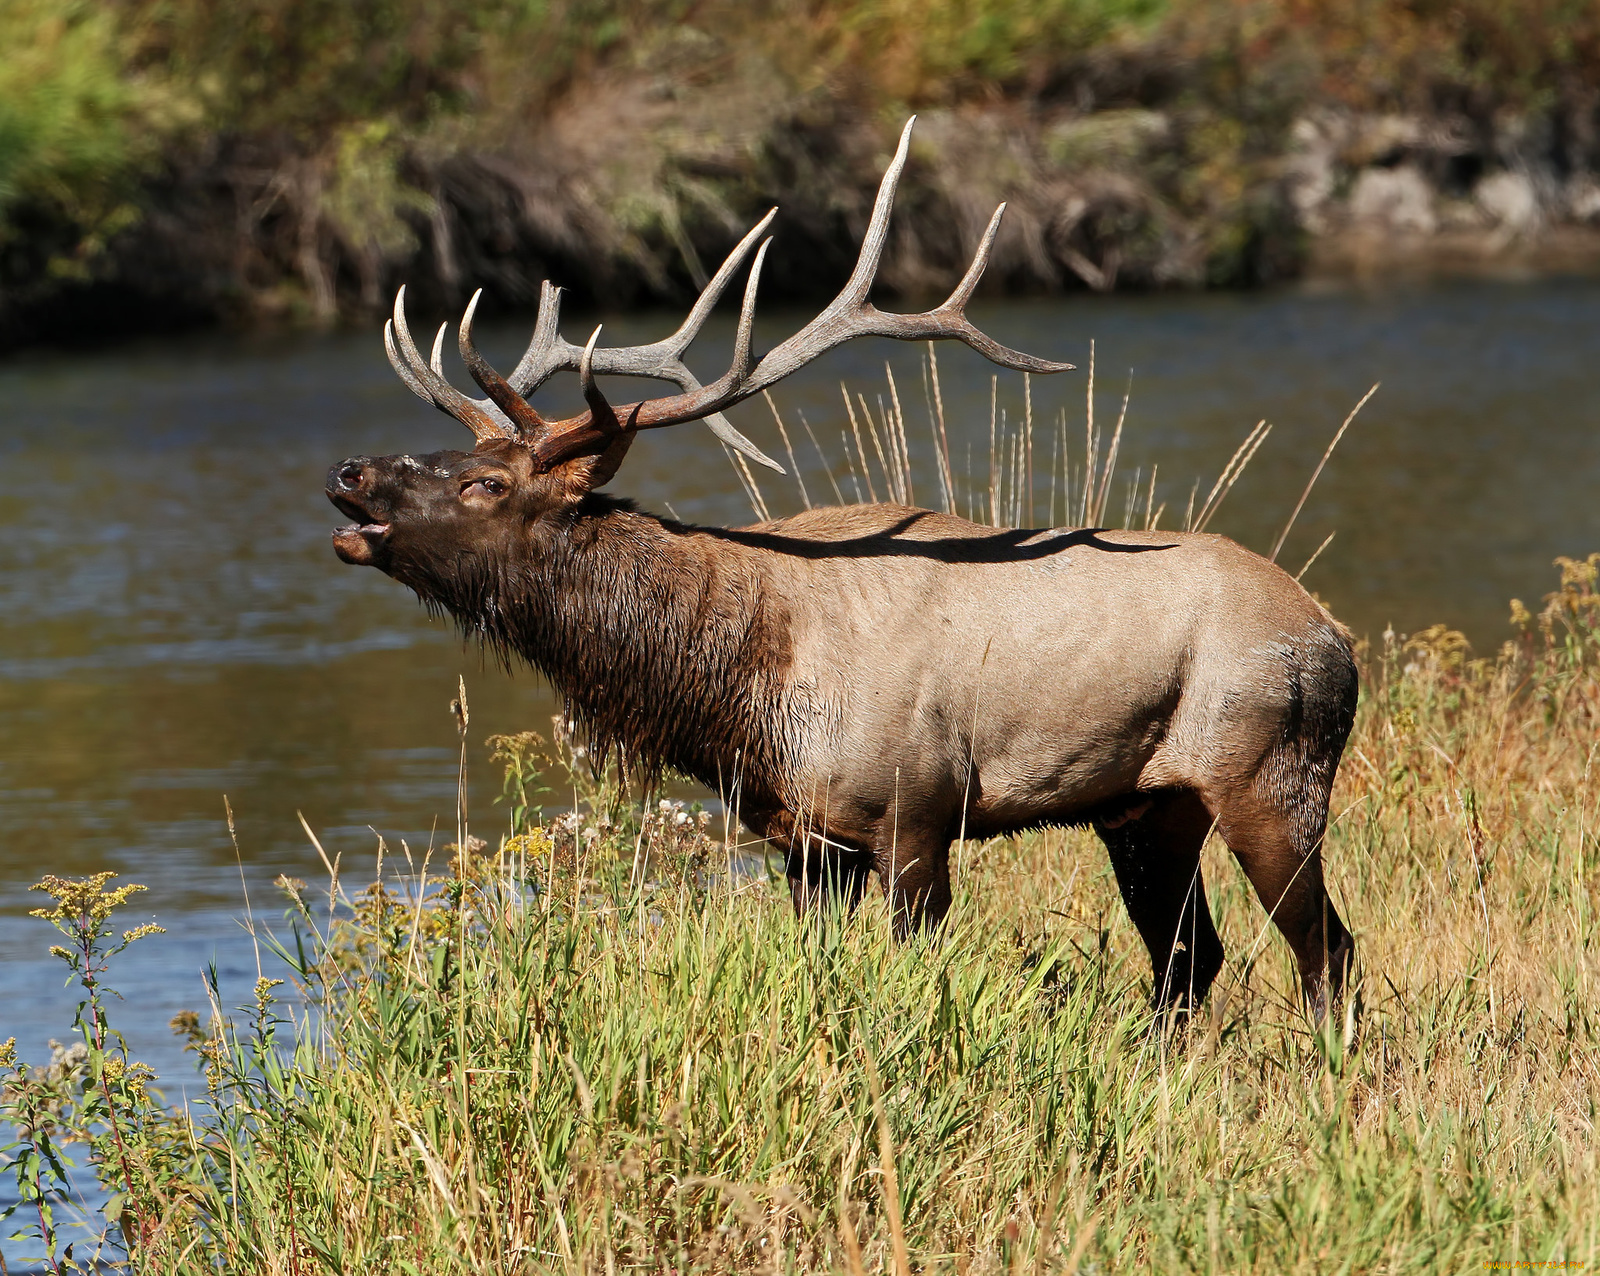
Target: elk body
<point>870,683</point>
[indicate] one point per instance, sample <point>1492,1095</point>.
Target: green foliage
<point>367,197</point>
<point>73,123</point>
<point>91,1093</point>
<point>915,51</point>
<point>304,67</point>
<point>1455,54</point>
<point>310,142</point>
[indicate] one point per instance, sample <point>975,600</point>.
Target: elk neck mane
<point>664,645</point>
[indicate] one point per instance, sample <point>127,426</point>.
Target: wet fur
<point>665,658</point>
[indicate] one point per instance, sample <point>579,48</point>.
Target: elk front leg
<point>915,871</point>
<point>819,873</point>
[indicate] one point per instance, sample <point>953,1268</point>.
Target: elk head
<point>419,516</point>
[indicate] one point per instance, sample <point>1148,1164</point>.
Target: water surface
<point>175,628</point>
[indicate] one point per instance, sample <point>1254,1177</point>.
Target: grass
<point>593,1047</point>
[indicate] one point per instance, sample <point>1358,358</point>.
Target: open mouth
<point>357,542</point>
<point>374,530</point>
<point>353,509</point>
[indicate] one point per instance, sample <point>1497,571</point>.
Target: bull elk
<point>875,681</point>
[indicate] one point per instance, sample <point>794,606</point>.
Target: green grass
<point>555,1061</point>
<point>78,128</point>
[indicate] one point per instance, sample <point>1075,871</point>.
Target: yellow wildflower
<point>529,845</point>
<point>81,898</point>
<point>264,989</point>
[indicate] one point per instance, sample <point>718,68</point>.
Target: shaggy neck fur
<point>662,641</point>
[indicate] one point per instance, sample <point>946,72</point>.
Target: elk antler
<point>600,429</point>
<point>506,412</point>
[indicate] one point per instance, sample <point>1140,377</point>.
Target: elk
<point>870,683</point>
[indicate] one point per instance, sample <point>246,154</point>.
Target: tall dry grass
<point>594,1047</point>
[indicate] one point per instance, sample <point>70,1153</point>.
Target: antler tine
<point>696,403</point>
<point>689,329</point>
<point>855,291</point>
<point>402,368</point>
<point>739,369</point>
<point>548,353</point>
<point>601,412</point>
<point>428,383</point>
<point>664,359</point>
<point>436,356</point>
<point>962,329</point>
<point>530,425</point>
<point>848,315</point>
<point>957,300</point>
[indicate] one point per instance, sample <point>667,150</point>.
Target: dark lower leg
<point>1323,950</point>
<point>831,874</point>
<point>916,874</point>
<point>1156,857</point>
<point>1284,864</point>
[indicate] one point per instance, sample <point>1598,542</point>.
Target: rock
<point>1384,139</point>
<point>1509,200</point>
<point>1311,172</point>
<point>1583,199</point>
<point>1395,199</point>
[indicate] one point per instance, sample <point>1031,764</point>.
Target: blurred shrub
<point>298,155</point>
<point>78,126</point>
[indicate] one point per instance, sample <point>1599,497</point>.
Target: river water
<point>175,627</point>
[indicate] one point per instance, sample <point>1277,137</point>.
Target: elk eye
<point>493,486</point>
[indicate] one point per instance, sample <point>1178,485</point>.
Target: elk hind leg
<point>1275,831</point>
<point>1155,853</point>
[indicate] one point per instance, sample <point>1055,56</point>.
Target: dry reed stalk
<point>886,1163</point>
<point>1230,474</point>
<point>794,465</point>
<point>855,429</point>
<point>942,440</point>
<point>822,460</point>
<point>1099,511</point>
<point>994,471</point>
<point>1091,444</point>
<point>1316,474</point>
<point>1327,540</point>
<point>902,448</point>
<point>1027,424</point>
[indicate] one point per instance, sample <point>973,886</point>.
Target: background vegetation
<point>189,159</point>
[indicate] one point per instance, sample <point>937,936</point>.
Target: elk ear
<point>583,474</point>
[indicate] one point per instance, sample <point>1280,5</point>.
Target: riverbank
<point>589,1046</point>
<point>174,164</point>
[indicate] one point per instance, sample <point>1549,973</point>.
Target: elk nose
<point>351,476</point>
